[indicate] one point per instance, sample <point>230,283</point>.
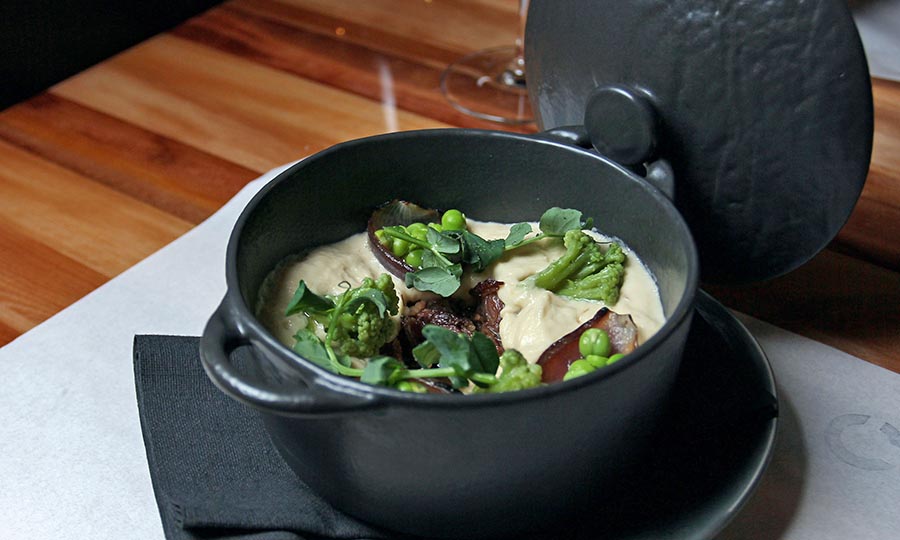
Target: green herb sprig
<point>445,252</point>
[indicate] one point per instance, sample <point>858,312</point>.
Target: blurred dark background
<point>45,41</point>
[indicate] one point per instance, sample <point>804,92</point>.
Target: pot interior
<point>491,176</point>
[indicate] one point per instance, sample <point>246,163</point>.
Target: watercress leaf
<point>307,301</point>
<point>426,354</point>
<point>430,260</point>
<point>372,296</point>
<point>556,221</point>
<point>517,233</point>
<point>484,354</point>
<point>443,242</point>
<point>382,370</point>
<point>455,270</point>
<point>454,348</point>
<point>480,253</point>
<point>442,281</point>
<point>309,346</point>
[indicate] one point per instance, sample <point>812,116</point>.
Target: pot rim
<point>333,382</point>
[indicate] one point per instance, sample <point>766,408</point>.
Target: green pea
<point>582,364</point>
<point>400,247</point>
<point>577,369</point>
<point>414,258</point>
<point>436,226</point>
<point>417,230</point>
<point>596,361</point>
<point>453,220</point>
<point>572,373</point>
<point>594,341</point>
<point>382,237</point>
<point>614,358</point>
<point>411,386</point>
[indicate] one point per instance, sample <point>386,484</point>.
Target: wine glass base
<point>487,85</point>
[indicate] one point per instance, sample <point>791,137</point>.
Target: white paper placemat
<point>72,461</point>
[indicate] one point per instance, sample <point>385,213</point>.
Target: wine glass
<point>490,83</point>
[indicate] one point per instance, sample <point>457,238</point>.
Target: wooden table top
<point>110,165</point>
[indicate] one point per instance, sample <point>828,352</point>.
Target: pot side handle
<point>223,335</point>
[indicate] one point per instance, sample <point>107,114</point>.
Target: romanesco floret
<point>585,271</point>
<point>385,284</point>
<point>516,374</point>
<point>366,326</point>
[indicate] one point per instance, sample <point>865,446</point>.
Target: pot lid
<point>763,110</point>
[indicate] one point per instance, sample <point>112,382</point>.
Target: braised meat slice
<point>454,315</point>
<point>440,312</point>
<point>487,310</point>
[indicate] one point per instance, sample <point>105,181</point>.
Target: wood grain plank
<point>8,333</point>
<point>836,299</point>
<point>169,175</point>
<point>304,44</point>
<point>36,282</point>
<point>90,223</point>
<point>871,232</point>
<point>230,107</point>
<point>456,28</point>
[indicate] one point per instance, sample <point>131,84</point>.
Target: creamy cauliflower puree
<point>532,318</point>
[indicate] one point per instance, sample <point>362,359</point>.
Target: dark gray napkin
<point>214,470</point>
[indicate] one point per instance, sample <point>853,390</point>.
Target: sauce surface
<point>532,318</point>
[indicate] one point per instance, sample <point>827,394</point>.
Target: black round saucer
<point>710,452</point>
<point>712,448</point>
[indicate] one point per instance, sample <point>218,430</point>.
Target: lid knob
<point>621,124</point>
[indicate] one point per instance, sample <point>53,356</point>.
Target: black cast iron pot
<point>453,466</point>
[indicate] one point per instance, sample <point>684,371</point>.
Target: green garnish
<point>517,374</point>
<point>554,223</point>
<point>594,346</point>
<point>443,250</point>
<point>585,271</point>
<point>594,341</point>
<point>359,320</point>
<point>358,323</point>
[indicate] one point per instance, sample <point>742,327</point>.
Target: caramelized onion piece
<point>556,359</point>
<point>396,212</point>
